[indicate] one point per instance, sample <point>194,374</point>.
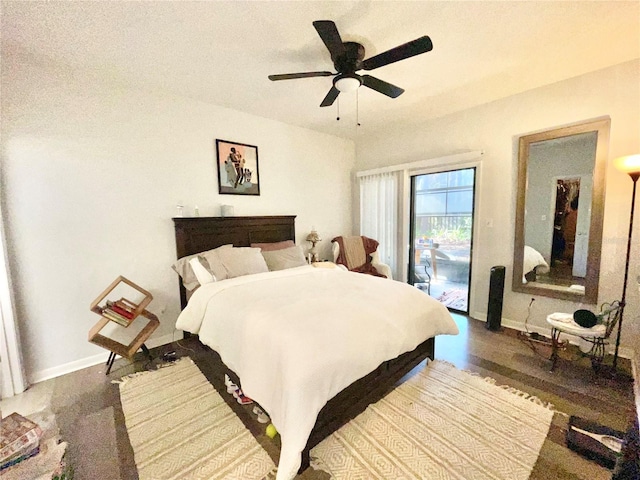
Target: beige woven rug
<point>441,424</point>
<point>180,428</point>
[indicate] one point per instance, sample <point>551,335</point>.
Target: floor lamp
<point>630,165</point>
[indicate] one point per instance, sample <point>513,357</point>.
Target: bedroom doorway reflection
<point>442,215</point>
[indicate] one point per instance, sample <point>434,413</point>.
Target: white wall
<point>91,176</point>
<point>494,128</point>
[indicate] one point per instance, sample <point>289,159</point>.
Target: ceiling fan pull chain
<point>338,117</point>
<point>357,109</point>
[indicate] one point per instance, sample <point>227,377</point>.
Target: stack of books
<point>20,440</point>
<point>121,311</point>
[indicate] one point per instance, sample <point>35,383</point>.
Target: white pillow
<point>213,263</point>
<point>202,274</point>
<point>183,268</point>
<point>285,258</point>
<point>239,261</point>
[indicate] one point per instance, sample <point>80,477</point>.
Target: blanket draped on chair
<point>355,254</point>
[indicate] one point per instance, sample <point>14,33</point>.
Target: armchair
<point>359,254</point>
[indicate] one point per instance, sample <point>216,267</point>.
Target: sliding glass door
<point>441,235</point>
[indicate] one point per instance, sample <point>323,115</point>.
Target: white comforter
<point>297,337</point>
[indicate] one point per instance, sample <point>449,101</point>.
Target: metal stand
<point>112,358</point>
<point>555,345</point>
<point>634,177</point>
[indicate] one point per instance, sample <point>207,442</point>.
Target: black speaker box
<point>496,293</point>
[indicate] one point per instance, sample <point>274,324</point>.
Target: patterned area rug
<point>180,428</point>
<point>442,423</point>
<point>455,298</point>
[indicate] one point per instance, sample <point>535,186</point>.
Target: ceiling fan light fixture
<point>347,84</point>
<point>349,58</point>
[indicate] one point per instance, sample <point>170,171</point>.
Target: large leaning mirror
<point>559,211</point>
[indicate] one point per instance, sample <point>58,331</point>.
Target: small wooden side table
<point>117,348</point>
<point>137,310</point>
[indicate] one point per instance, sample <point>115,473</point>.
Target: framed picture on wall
<point>237,168</point>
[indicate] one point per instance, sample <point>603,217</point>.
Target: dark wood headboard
<point>199,234</point>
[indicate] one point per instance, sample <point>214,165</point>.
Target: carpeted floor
<point>442,423</point>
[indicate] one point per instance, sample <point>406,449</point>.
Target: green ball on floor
<point>271,431</point>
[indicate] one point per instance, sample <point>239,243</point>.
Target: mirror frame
<point>601,126</point>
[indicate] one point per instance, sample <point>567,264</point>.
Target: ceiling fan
<point>348,58</point>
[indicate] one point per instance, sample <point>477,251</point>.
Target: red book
<point>122,311</point>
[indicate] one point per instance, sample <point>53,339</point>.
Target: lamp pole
<point>631,166</point>
<point>634,176</point>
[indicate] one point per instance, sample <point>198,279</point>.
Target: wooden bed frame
<point>198,234</point>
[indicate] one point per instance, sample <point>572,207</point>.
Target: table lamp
<point>314,238</point>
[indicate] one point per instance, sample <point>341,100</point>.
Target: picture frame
<point>237,168</point>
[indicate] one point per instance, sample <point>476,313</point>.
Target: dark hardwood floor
<point>89,415</point>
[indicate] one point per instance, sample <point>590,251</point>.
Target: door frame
<point>474,216</point>
<point>451,162</point>
<point>585,179</point>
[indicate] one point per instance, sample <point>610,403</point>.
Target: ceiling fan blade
<point>331,97</point>
<point>381,86</point>
<point>410,49</point>
<point>290,76</point>
<point>329,34</point>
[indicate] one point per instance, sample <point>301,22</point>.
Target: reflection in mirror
<point>559,211</point>
<point>555,225</point>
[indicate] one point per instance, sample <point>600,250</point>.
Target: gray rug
<point>98,452</point>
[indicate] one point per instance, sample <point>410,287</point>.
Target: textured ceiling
<point>221,52</point>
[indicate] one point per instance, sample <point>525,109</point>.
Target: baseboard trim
<point>86,362</point>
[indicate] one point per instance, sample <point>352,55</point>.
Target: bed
<point>533,263</point>
<point>335,388</point>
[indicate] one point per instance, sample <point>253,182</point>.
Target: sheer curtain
<point>379,214</point>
